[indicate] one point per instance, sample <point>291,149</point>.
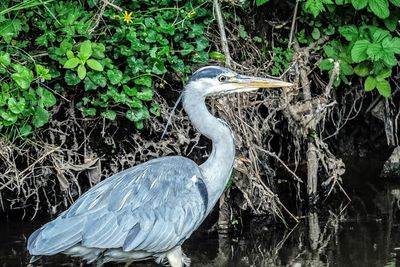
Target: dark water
<point>364,232</point>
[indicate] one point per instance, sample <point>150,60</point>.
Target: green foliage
<point>381,8</point>
<point>83,59</point>
<point>24,100</point>
<point>281,58</point>
<point>111,73</point>
<point>370,50</point>
<point>315,7</point>
<point>365,46</point>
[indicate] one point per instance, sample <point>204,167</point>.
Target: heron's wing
<point>151,207</point>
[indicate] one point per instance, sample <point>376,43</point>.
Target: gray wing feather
<point>152,207</point>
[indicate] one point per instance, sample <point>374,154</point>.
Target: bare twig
<point>281,161</point>
<point>111,4</point>
<point>221,27</point>
<point>292,28</point>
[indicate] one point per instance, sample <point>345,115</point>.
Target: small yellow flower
<point>128,17</point>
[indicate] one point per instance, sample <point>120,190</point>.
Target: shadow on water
<point>365,233</point>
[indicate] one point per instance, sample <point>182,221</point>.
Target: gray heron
<point>149,210</point>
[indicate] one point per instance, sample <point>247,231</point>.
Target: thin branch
<point>111,4</point>
<point>293,24</point>
<point>280,161</point>
<point>221,27</point>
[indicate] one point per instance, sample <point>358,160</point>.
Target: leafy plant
<point>315,7</point>
<point>367,50</point>
<point>335,51</point>
<point>82,59</point>
<point>108,75</point>
<point>372,50</point>
<point>24,100</point>
<point>281,58</point>
<point>379,7</point>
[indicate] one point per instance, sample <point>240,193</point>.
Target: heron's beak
<point>244,83</point>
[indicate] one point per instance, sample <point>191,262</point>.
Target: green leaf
<point>384,88</point>
<point>379,35</point>
<point>5,59</point>
<point>98,50</point>
<point>385,73</point>
<point>389,59</point>
<point>65,46</point>
<point>109,115</point>
<point>47,97</point>
<point>314,7</point>
<point>362,69</point>
<point>391,22</point>
<point>159,67</point>
<point>261,2</point>
<point>71,78</point>
<point>139,125</point>
<point>155,109</point>
<point>349,32</point>
<point>70,54</point>
<point>316,34</point>
<point>114,76</point>
<point>331,49</point>
<point>395,2</point>
<point>130,91</point>
<point>137,115</point>
<point>392,44</point>
<point>40,117</point>
<point>380,8</point>
<point>359,51</point>
<point>145,94</point>
<point>134,103</point>
<point>202,43</point>
<point>95,65</point>
<point>89,85</point>
<point>15,106</point>
<point>90,112</point>
<point>375,51</point>
<point>132,115</point>
<point>23,77</point>
<point>98,78</point>
<point>81,72</point>
<point>72,63</point>
<point>326,64</point>
<point>359,4</point>
<point>217,56</point>
<point>346,68</point>
<point>201,57</point>
<point>186,48</point>
<point>25,130</point>
<point>369,84</point>
<point>10,28</point>
<point>9,117</point>
<point>85,50</point>
<point>43,72</point>
<point>144,80</point>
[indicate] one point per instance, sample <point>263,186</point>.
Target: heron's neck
<point>218,167</point>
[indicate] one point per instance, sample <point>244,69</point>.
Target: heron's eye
<point>222,78</point>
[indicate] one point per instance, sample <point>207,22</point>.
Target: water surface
<point>364,232</point>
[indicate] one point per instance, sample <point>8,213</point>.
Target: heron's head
<point>214,80</point>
